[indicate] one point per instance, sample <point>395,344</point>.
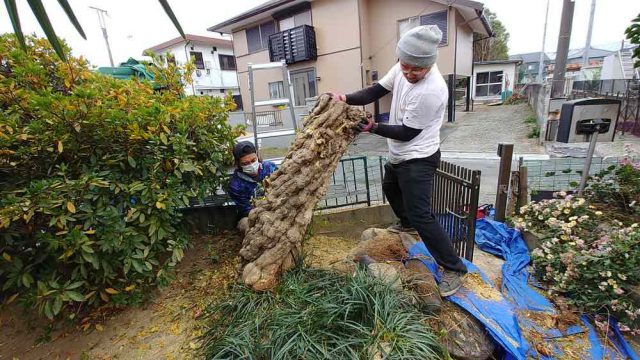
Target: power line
<point>103,25</point>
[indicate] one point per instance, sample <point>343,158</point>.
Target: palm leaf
<point>45,23</point>
<point>72,17</point>
<point>15,21</point>
<point>172,16</point>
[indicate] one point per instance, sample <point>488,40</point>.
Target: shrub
<point>618,189</point>
<point>93,171</point>
<point>590,259</point>
<point>317,314</point>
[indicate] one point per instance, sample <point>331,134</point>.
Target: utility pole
<point>557,87</point>
<point>544,38</point>
<point>587,46</point>
<point>103,25</point>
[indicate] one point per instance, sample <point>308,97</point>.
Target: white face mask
<point>251,169</point>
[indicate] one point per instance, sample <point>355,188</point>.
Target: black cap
<point>243,148</point>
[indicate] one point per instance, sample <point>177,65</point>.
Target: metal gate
<point>358,181</point>
<point>455,203</point>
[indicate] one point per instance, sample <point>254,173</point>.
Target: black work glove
<point>367,124</point>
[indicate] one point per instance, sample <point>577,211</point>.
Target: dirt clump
<point>329,253</point>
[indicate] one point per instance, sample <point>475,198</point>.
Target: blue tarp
<point>504,318</point>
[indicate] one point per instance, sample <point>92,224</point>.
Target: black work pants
<point>408,187</point>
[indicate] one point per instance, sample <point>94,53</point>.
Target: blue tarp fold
<point>505,317</point>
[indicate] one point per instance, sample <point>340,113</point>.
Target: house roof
<point>577,53</point>
<point>193,38</point>
<point>495,62</point>
<point>529,57</point>
<point>470,10</point>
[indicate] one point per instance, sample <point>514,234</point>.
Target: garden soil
<point>164,328</point>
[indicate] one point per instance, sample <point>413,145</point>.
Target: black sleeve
<point>397,132</point>
<point>366,95</point>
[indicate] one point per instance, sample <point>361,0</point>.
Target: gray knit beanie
<point>419,46</point>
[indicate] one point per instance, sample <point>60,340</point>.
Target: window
<point>301,18</point>
<point>197,59</point>
<point>238,100</point>
<point>438,18</point>
<point>227,62</point>
<point>489,83</point>
<point>276,90</point>
<point>258,36</point>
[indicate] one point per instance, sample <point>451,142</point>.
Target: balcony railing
<point>293,45</point>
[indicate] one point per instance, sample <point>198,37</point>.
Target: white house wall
<point>509,71</point>
<point>611,68</point>
<point>214,83</point>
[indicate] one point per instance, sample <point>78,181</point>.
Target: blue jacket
<point>242,187</point>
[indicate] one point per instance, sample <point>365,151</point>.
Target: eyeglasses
<point>411,70</point>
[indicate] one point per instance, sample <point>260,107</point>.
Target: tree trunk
<point>279,221</point>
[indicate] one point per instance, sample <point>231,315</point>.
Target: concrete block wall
<point>538,96</point>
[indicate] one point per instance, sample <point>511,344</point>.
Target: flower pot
<point>532,239</point>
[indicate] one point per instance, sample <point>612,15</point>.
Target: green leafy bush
<point>585,255</point>
<point>618,189</point>
<point>93,171</point>
<point>318,314</point>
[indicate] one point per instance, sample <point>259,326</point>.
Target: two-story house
<point>345,45</point>
<point>528,68</point>
<point>215,73</point>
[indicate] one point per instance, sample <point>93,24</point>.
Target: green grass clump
<point>318,314</point>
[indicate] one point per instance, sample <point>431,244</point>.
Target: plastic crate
<point>293,45</point>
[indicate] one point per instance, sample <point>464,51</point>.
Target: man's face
<point>413,74</point>
<point>248,159</point>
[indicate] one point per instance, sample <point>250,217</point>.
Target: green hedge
<point>93,171</point>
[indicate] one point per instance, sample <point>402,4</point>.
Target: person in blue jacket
<point>247,180</point>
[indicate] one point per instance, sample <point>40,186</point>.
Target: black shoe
<point>398,228</point>
<point>450,283</point>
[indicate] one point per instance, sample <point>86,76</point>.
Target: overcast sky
<point>135,25</point>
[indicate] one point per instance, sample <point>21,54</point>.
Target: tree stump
<point>279,221</point>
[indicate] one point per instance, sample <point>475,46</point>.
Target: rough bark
<point>279,221</point>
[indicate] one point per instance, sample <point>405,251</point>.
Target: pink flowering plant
<point>590,259</point>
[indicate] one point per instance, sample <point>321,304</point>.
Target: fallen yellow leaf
<point>99,327</point>
<point>6,256</point>
<point>129,288</point>
<point>111,291</point>
<point>60,147</point>
<point>71,207</point>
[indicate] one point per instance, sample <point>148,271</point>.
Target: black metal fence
<point>357,181</point>
<point>265,118</point>
<point>456,190</point>
<point>350,184</point>
<point>455,203</point>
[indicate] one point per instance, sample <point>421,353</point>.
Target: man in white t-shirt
<point>417,111</point>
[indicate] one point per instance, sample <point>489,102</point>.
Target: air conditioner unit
<point>207,64</point>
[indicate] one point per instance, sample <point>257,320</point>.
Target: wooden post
<point>512,204</point>
<point>523,197</point>
<point>505,151</point>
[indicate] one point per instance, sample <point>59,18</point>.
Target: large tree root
<point>279,221</point>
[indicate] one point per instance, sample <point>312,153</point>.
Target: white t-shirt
<point>419,106</point>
